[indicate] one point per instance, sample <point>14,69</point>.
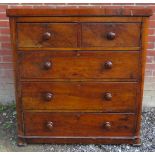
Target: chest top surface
<point>83,11</point>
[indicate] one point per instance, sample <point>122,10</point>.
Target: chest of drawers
<point>79,74</point>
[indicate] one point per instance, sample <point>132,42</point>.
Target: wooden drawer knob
<point>47,65</point>
<point>111,36</point>
<point>50,125</point>
<point>107,125</point>
<point>108,65</point>
<point>108,96</point>
<point>46,36</point>
<point>48,96</point>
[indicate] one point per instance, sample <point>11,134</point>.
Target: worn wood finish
<point>80,140</point>
<point>79,96</point>
<point>76,65</point>
<point>17,83</point>
<point>142,73</point>
<point>111,35</point>
<point>79,74</point>
<point>78,124</point>
<point>79,49</point>
<point>47,35</point>
<point>82,11</point>
<point>66,35</point>
<point>79,19</point>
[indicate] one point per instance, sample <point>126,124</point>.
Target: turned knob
<point>111,35</point>
<point>108,65</point>
<point>107,125</point>
<point>49,125</point>
<point>47,65</point>
<point>108,96</point>
<point>46,36</point>
<point>48,96</point>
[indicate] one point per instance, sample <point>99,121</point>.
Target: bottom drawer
<point>78,124</point>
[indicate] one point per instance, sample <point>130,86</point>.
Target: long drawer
<point>80,65</point>
<point>78,124</point>
<point>79,96</point>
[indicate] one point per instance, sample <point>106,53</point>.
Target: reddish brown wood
<point>79,74</point>
<point>79,20</point>
<point>74,11</point>
<point>47,35</point>
<point>20,129</point>
<point>80,65</point>
<point>111,35</point>
<point>84,140</point>
<point>78,124</point>
<point>141,75</point>
<point>80,96</point>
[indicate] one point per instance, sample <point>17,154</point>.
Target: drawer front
<point>111,35</point>
<point>47,35</point>
<point>78,124</point>
<point>80,65</point>
<point>79,96</point>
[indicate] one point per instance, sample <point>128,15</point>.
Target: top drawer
<point>111,35</point>
<point>71,35</point>
<point>52,35</point>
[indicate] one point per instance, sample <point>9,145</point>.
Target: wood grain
<point>79,96</point>
<point>80,65</point>
<point>96,35</point>
<point>78,124</point>
<point>79,19</point>
<point>62,35</point>
<point>82,11</point>
<point>79,74</point>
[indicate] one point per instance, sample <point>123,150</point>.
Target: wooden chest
<point>79,74</point>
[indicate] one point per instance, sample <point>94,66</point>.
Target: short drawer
<point>79,96</point>
<point>111,35</point>
<point>80,65</point>
<point>53,35</point>
<point>78,124</point>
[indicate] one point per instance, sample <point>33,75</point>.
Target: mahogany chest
<point>79,74</point>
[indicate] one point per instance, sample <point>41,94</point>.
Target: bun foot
<point>21,142</point>
<point>137,142</point>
